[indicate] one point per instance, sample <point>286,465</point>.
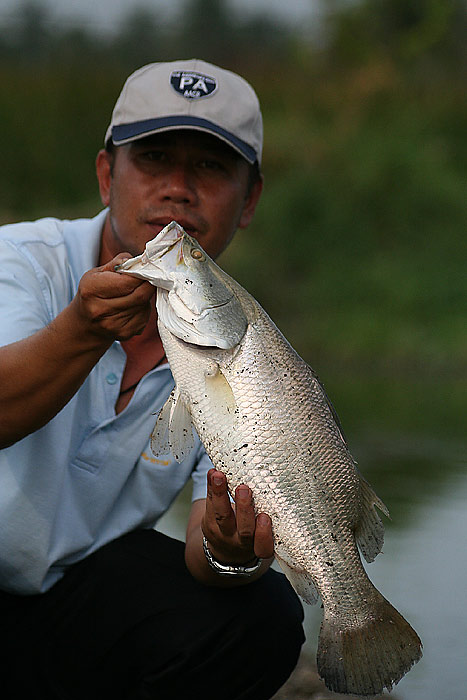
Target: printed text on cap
<point>192,85</point>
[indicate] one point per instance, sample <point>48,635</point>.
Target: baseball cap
<point>189,94</point>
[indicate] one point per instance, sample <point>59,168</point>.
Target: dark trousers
<point>130,623</point>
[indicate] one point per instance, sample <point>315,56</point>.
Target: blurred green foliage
<point>358,248</point>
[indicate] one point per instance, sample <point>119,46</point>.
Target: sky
<point>103,15</point>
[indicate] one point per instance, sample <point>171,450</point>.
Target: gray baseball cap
<point>189,94</point>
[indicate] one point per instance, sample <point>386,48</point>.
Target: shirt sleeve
<point>23,310</point>
<point>199,474</point>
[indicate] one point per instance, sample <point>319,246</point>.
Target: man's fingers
<point>218,508</point>
<point>115,262</point>
<point>240,535</point>
<point>114,304</point>
<point>245,515</point>
<point>264,541</point>
<point>253,531</point>
<point>104,283</point>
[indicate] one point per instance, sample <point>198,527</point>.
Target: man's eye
<point>153,156</point>
<point>211,164</point>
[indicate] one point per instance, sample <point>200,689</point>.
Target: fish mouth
<point>168,237</point>
<point>191,302</point>
<point>152,263</point>
<point>147,265</point>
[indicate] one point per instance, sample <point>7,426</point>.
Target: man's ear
<point>104,175</point>
<point>251,201</point>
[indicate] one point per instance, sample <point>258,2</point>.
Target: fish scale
<point>265,421</point>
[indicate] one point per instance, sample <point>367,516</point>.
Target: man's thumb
<point>113,265</point>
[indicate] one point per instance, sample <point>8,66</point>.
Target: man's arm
<point>40,374</point>
<point>234,536</point>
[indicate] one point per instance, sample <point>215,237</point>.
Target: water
<point>423,568</point>
<point>423,571</point>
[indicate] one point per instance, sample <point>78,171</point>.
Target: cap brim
<point>125,133</point>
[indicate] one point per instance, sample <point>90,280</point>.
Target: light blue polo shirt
<point>89,475</point>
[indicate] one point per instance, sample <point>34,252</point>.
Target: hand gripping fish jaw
<point>193,302</point>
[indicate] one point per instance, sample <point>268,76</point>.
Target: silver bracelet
<point>229,569</point>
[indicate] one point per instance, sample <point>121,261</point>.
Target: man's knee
<point>278,604</point>
<point>255,629</point>
<point>272,628</point>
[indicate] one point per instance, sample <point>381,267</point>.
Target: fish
<point>265,420</point>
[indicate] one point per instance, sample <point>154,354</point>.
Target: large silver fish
<point>265,421</point>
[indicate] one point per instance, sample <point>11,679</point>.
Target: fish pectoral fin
<point>173,431</point>
<point>300,580</point>
<point>181,440</point>
<point>160,434</point>
<point>219,393</point>
<point>369,532</point>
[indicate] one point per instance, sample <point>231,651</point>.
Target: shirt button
<point>111,378</point>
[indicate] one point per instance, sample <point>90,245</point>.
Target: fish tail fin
<point>372,654</point>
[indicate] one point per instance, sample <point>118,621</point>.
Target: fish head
<point>194,300</point>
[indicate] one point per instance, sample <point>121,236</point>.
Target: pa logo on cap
<point>192,85</point>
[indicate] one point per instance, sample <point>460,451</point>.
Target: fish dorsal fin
<point>301,581</point>
<point>173,431</point>
<point>369,532</point>
<point>329,405</point>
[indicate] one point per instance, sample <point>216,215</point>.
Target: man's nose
<point>178,185</point>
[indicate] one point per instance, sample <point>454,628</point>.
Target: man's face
<point>187,176</point>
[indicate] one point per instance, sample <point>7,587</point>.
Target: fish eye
<point>197,254</point>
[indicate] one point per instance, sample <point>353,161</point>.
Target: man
<point>94,602</point>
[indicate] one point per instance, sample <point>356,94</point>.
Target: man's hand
<point>234,534</point>
<point>112,305</point>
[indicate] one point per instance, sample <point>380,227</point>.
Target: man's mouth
<point>156,226</point>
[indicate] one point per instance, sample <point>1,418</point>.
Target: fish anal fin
<point>299,579</point>
<point>363,659</point>
<point>369,531</point>
<point>173,431</point>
